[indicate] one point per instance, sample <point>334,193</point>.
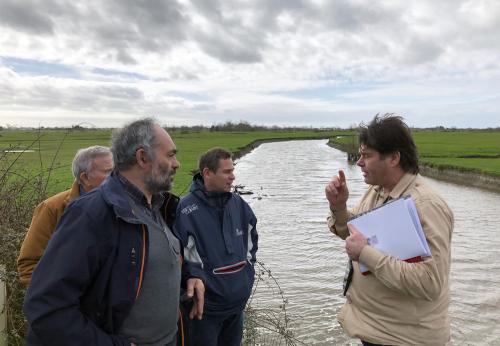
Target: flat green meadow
<point>477,151</point>
<point>53,150</point>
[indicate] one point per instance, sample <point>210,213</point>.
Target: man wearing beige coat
<point>90,167</point>
<point>399,303</point>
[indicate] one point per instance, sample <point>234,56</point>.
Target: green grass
<point>56,148</point>
<point>464,150</point>
<point>458,144</point>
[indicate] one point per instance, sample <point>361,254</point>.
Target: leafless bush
<point>268,325</point>
<point>21,189</point>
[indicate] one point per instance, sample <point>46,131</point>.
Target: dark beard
<point>155,185</point>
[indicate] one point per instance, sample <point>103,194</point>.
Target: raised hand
<point>337,192</point>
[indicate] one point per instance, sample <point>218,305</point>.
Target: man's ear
<point>142,158</point>
<point>205,172</point>
<point>84,179</point>
<point>394,158</point>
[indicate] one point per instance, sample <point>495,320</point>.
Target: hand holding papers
<point>395,229</point>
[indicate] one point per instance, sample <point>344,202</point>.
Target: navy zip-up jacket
<point>219,235</point>
<point>90,275</point>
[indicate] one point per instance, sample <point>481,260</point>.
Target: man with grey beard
<point>111,274</point>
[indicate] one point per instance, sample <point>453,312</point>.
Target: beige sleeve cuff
<point>337,222</point>
<point>370,257</point>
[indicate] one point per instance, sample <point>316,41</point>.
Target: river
<point>288,181</point>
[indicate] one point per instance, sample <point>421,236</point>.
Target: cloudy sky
<point>269,62</point>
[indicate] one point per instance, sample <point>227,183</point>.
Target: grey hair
<point>84,159</point>
<point>126,141</point>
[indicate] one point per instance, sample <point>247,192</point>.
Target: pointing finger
<point>342,177</point>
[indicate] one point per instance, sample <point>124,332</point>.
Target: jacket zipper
<point>143,257</point>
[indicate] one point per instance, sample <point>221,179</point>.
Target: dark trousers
<point>366,343</point>
<point>213,330</point>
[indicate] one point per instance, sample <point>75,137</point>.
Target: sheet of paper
<point>394,228</point>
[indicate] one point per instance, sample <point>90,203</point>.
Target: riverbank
<point>466,178</point>
<point>461,176</point>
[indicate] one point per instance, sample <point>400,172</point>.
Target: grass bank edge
<point>475,152</point>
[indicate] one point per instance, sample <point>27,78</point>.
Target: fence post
<point>3,310</point>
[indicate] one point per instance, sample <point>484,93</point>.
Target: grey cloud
<point>210,9</point>
<point>119,29</point>
<point>181,73</point>
<point>153,26</point>
<point>123,29</point>
<point>238,31</point>
<point>124,57</point>
<point>118,92</point>
<point>27,17</point>
<point>229,39</point>
<point>341,14</point>
<point>235,40</point>
<point>232,49</point>
<point>350,16</point>
<point>44,95</point>
<point>420,51</point>
<point>103,98</point>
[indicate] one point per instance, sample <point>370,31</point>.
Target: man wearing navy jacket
<point>111,273</point>
<point>217,229</point>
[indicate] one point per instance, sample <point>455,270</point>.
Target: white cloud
<point>274,62</point>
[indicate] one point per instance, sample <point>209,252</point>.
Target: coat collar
<point>74,192</point>
<point>400,188</point>
<point>114,194</point>
<point>215,199</point>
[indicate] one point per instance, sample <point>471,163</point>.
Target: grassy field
<point>464,150</point>
<point>56,148</point>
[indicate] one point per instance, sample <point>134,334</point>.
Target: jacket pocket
<point>230,269</point>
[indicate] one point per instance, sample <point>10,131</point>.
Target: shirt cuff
<point>370,256</point>
<point>337,222</point>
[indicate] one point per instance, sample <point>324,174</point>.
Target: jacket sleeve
<point>192,266</point>
<point>426,279</point>
<point>70,262</point>
<point>42,226</point>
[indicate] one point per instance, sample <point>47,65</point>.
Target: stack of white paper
<point>395,229</point>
